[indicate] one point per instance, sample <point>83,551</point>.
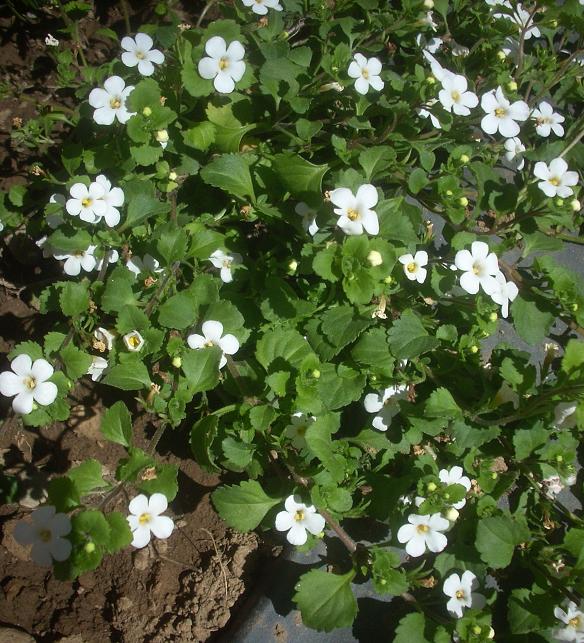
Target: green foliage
<point>243,506</point>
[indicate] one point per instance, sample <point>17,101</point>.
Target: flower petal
<point>128,43</point>
<point>362,85</point>
<point>60,549</point>
<point>22,403</point>
<point>416,546</point>
<point>145,68</point>
<point>436,541</point>
<point>216,47</point>
<point>45,393</point>
<point>11,384</point>
<point>315,523</point>
<point>342,198</point>
<point>284,521</point>
<point>451,585</point>
<point>470,282</point>
<point>41,555</point>
<point>223,83</point>
<point>236,70</point>
<point>156,56</point>
<point>104,115</point>
<point>21,365</point>
<point>24,533</point>
<point>141,537</point>
<point>297,535</point>
<point>235,51</point>
<point>41,370</point>
<point>130,59</point>
<point>138,505</point>
<point>196,341</point>
<point>98,97</point>
<point>229,344</point>
<point>366,197</point>
<point>162,526</point>
<point>144,41</point>
<point>157,504</point>
<point>114,85</point>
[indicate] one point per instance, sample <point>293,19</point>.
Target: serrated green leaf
<point>131,375</point>
<point>243,506</point>
<point>298,175</point>
<point>229,172</point>
<point>408,338</point>
<point>201,136</point>
<point>74,298</point>
<point>286,345</point>
<point>202,435</point>
<point>87,476</point>
<point>116,424</point>
<point>201,368</point>
<point>497,537</point>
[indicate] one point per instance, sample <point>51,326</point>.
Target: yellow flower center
<point>226,263</point>
<point>86,202</point>
<point>455,96</point>
<point>422,529</point>
<point>140,55</point>
<point>574,622</point>
<point>459,594</point>
<point>209,343</point>
<point>500,112</point>
<point>144,518</point>
<point>29,382</point>
<point>554,181</point>
<point>299,515</point>
<point>352,214</point>
<point>476,268</point>
<point>224,62</point>
<point>45,535</point>
<point>134,341</point>
<point>411,267</point>
<point>115,103</point>
<point>365,73</point>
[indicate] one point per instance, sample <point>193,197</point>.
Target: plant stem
<point>204,12</point>
<point>126,17</point>
<point>573,143</point>
<point>161,286</point>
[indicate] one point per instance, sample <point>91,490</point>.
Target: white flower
<point>113,199</point>
<point>86,202</point>
<point>425,113</point>
<point>96,368</point>
<point>556,180</point>
<point>27,383</point>
<point>80,259</point>
<point>429,44</point>
<point>110,102</point>
<point>459,50</point>
<point>460,590</point>
<point>223,64</point>
<point>51,41</point>
<point>511,48</point>
<point>574,621</point>
<point>297,520</point>
<point>564,415</point>
<point>366,71</point>
<point>546,120</point>
<point>139,52</point>
<point>145,518</point>
<point>439,72</point>
<point>423,532</point>
<point>162,137</point>
<point>521,17</point>
<point>455,97</point>
<point>501,115</point>
<point>552,486</point>
<point>354,211</point>
<point>455,476</point>
<point>56,219</point>
<point>103,335</point>
<point>133,341</point>
<point>479,266</point>
<point>45,534</point>
<point>308,217</point>
<point>414,266</point>
<point>514,149</point>
<point>113,256</point>
<point>224,261</point>
<point>429,21</point>
<point>297,429</point>
<point>384,404</point>
<point>213,336</point>
<point>148,264</point>
<point>261,6</point>
<point>504,292</point>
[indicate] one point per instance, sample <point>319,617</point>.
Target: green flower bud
<point>493,317</point>
<point>559,458</point>
<point>147,111</point>
<point>431,80</point>
<point>431,486</point>
<point>559,202</point>
<point>474,349</point>
<point>512,86</point>
<point>464,158</point>
<point>292,265</point>
<point>172,176</point>
<point>463,201</point>
<point>501,55</point>
<point>477,629</point>
<point>494,475</point>
<point>374,258</point>
<point>89,547</point>
<point>177,362</point>
<point>316,373</point>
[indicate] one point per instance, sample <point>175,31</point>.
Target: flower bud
<point>449,193</point>
<point>89,547</point>
<point>388,279</point>
<point>491,634</point>
<point>476,629</point>
<point>431,80</point>
<point>559,202</point>
<point>177,362</point>
<point>172,176</point>
<point>147,111</point>
<point>553,23</point>
<point>374,258</point>
<point>575,205</point>
<point>464,158</point>
<point>162,136</point>
<point>474,349</point>
<point>501,55</point>
<point>493,317</point>
<point>574,307</point>
<point>463,201</point>
<point>316,373</point>
<point>512,86</point>
<point>559,458</point>
<point>429,4</point>
<point>451,514</point>
<point>431,486</point>
<point>292,265</point>
<point>494,475</point>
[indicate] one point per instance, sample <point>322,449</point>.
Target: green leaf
<point>326,263</point>
<point>146,93</point>
<point>441,404</point>
<point>531,323</point>
<point>230,172</point>
<point>132,375</point>
<point>243,506</point>
<point>320,444</point>
<point>120,532</point>
<point>342,325</point>
<point>79,240</point>
<point>411,629</point>
<point>172,242</point>
<point>132,318</point>
<point>339,387</point>
<point>573,358</point>
<point>307,129</point>
<point>87,476</point>
<point>526,441</point>
<point>163,480</point>
<point>228,129</point>
<point>118,292</point>
<point>261,417</point>
<point>76,362</point>
<point>497,537</point>
<point>201,368</point>
<point>142,206</point>
<point>524,610</point>
<point>408,338</point>
<point>63,494</point>
<point>74,298</point>
<point>386,578</point>
<point>238,454</point>
<point>116,424</point>
<point>298,175</point>
<point>130,467</point>
<point>417,180</point>
<point>202,435</point>
<point>286,345</point>
<point>146,154</point>
<point>201,136</point>
<point>376,159</point>
<point>179,311</point>
<point>326,601</point>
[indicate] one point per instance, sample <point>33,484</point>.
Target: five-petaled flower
<point>96,368</point>
<point>384,405</point>
<point>27,383</point>
<point>455,476</point>
<point>514,149</point>
<point>460,590</point>
<point>45,534</point>
<point>424,531</point>
<point>504,292</point>
<point>308,215</point>
<point>77,260</point>
<point>133,341</point>
<point>522,18</point>
<point>213,336</point>
<point>546,120</point>
<point>87,203</point>
<point>110,102</point>
<point>296,430</point>
<point>139,52</point>
<point>261,6</point>
<point>223,64</point>
<point>479,266</point>
<point>366,71</point>
<point>224,261</point>
<point>297,519</point>
<point>573,618</point>
<point>455,96</point>
<point>413,265</point>
<point>354,211</point>
<point>556,179</point>
<point>147,264</point>
<point>145,518</point>
<point>113,199</point>
<point>501,115</point>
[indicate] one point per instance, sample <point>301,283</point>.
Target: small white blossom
<point>103,335</point>
<point>384,405</point>
<point>429,21</point>
<point>162,137</point>
<point>479,267</point>
<point>110,102</point>
<point>139,53</point>
<point>459,50</point>
<point>354,211</point>
<point>113,199</point>
<point>145,518</point>
<point>431,45</point>
<point>455,96</point>
<point>546,120</point>
<point>439,72</point>
<point>297,519</point>
<point>27,383</point>
<point>501,115</point>
<point>51,41</point>
<point>521,17</point>
<point>80,259</point>
<point>133,341</point>
<point>556,180</point>
<point>425,113</point>
<point>308,215</point>
<point>87,202</point>
<point>514,149</point>
<point>224,261</point>
<point>296,430</point>
<point>423,532</point>
<point>112,257</point>
<point>96,368</point>
<point>552,486</point>
<point>45,534</point>
<point>511,48</point>
<point>414,268</point>
<point>223,64</point>
<point>573,618</point>
<point>213,336</point>
<point>147,264</point>
<point>260,7</point>
<point>455,476</point>
<point>460,591</point>
<point>503,293</point>
<point>366,71</point>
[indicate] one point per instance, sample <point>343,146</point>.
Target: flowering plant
<point>348,362</point>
